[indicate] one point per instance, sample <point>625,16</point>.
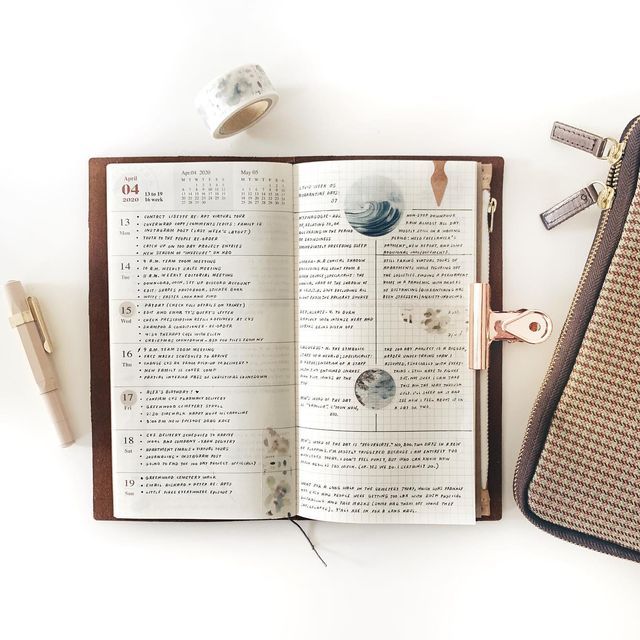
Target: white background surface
<point>118,78</point>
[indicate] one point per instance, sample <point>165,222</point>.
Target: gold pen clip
<point>34,306</point>
<point>487,326</point>
<point>33,314</point>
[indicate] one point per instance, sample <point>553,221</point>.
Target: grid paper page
<point>385,399</point>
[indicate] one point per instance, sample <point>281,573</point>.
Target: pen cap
<point>16,297</point>
<point>22,318</point>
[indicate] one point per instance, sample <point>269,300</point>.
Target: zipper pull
<point>569,207</point>
<point>578,202</point>
<point>606,196</point>
<point>606,148</point>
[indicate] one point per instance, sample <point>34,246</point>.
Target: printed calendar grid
<point>189,202</point>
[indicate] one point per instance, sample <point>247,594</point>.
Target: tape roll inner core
<point>245,117</point>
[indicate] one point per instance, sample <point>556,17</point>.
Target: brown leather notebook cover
<point>99,317</point>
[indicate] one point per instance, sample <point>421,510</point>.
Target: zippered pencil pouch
<point>578,473</point>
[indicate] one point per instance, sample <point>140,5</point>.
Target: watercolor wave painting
<point>375,218</point>
<point>373,206</point>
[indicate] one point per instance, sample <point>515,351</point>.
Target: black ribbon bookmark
<point>304,533</point>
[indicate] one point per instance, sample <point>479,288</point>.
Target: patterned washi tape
<point>236,101</point>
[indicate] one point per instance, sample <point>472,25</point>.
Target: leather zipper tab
<point>579,139</point>
<point>608,148</point>
<point>570,206</point>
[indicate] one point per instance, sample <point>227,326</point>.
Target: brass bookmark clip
<point>487,326</point>
<point>33,314</point>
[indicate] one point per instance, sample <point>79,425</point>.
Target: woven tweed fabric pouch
<point>578,473</point>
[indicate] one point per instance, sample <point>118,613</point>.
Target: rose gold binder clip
<point>487,326</point>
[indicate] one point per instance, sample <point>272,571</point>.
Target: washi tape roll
<point>236,101</point>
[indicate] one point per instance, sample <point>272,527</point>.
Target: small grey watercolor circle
<point>375,388</point>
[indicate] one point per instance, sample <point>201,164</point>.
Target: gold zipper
<point>612,183</point>
<point>614,156</point>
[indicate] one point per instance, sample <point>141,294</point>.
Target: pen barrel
<point>58,417</point>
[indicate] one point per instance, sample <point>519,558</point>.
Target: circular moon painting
<point>375,388</point>
<point>373,206</point>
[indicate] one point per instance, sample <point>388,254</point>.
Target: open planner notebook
<point>289,337</point>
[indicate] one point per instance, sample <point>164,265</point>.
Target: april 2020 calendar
<point>201,187</point>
